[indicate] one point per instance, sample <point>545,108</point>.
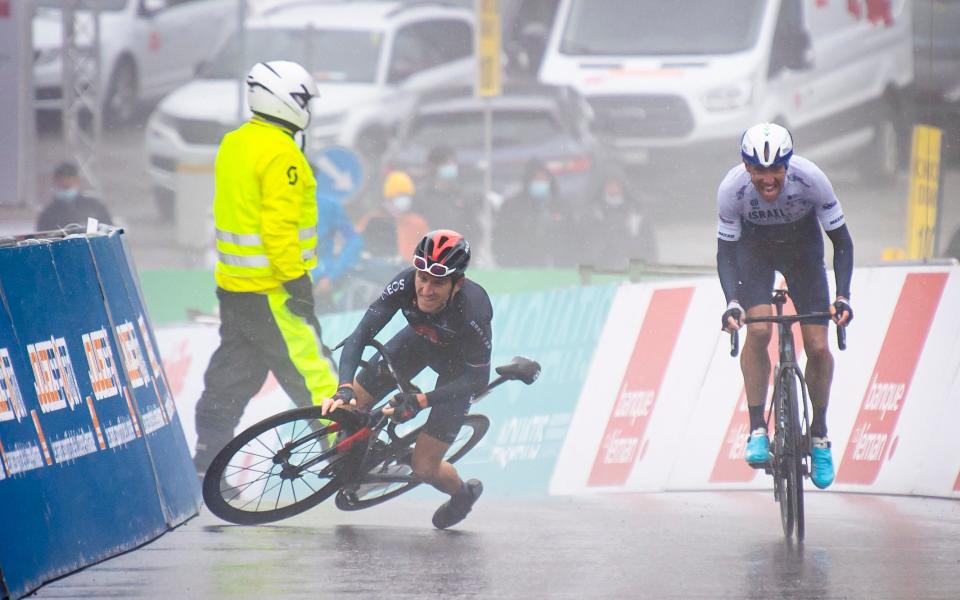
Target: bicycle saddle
<point>521,368</point>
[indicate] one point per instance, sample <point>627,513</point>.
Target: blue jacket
<point>333,220</point>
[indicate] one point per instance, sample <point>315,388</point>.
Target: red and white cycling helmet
<point>441,253</point>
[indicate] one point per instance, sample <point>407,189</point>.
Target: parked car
<point>670,85</point>
<point>530,121</point>
<point>147,48</point>
<point>370,60</point>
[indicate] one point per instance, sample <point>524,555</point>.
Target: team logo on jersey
<point>292,176</point>
<point>754,203</point>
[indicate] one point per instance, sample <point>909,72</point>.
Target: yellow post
<point>488,48</point>
<point>924,187</point>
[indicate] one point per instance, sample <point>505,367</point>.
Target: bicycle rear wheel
<point>275,469</point>
<point>360,495</point>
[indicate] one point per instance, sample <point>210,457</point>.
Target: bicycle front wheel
<point>395,459</point>
<point>790,468</point>
<point>275,469</point>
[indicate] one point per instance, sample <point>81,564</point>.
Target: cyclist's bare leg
<point>755,358</point>
<point>819,369</point>
<point>429,466</point>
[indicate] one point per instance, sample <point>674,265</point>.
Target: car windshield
<point>320,51</point>
<point>511,128</point>
<point>654,27</point>
<point>101,4</point>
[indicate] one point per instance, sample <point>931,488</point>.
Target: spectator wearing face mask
<point>620,227</point>
<point>445,201</point>
<point>69,205</point>
<point>395,212</point>
<point>533,227</point>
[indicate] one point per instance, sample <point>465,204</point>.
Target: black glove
<point>405,407</point>
<point>735,311</point>
<point>842,306</point>
<point>300,301</point>
<point>345,393</point>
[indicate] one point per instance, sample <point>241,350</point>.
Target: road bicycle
<point>790,460</point>
<point>294,460</point>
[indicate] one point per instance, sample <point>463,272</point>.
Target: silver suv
<point>370,60</point>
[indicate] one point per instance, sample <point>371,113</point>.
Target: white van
<point>675,81</point>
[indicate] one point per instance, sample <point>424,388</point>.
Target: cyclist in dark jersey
<point>771,210</point>
<point>448,330</point>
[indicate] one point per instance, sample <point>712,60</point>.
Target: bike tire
<point>471,432</point>
<point>246,484</point>
<point>782,443</point>
<point>793,460</point>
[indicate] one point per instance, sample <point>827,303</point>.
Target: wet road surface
<point>677,545</point>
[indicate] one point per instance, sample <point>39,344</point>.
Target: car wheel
<point>121,100</point>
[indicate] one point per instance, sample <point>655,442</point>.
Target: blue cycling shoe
<point>758,446</point>
<point>822,475</point>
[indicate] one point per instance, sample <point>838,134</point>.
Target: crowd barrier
<point>93,459</point>
<point>639,393</point>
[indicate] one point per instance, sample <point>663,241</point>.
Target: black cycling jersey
<point>460,333</point>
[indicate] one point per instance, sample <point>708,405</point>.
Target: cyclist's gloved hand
<point>842,312</point>
<point>734,311</point>
<point>404,407</point>
<point>344,395</point>
<point>300,301</point>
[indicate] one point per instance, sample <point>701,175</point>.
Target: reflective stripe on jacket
<point>264,209</point>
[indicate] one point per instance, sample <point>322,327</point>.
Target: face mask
<point>448,172</point>
<point>401,204</point>
<point>613,199</point>
<point>67,195</point>
<point>539,189</point>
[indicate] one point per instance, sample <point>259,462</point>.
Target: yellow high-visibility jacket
<point>264,209</point>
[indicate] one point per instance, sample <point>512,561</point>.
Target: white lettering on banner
<point>132,357</point>
<point>23,457</point>
<point>619,450</point>
<point>104,377</point>
<point>523,438</point>
<point>152,420</point>
<point>73,446</point>
<point>737,441</point>
<point>868,446</point>
<point>54,379</point>
<point>884,397</point>
<point>120,433</point>
<point>154,364</point>
<point>11,400</point>
<point>633,403</point>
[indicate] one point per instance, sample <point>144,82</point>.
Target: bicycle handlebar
<point>788,319</point>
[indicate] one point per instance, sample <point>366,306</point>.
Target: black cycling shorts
<point>800,264</point>
<point>410,354</point>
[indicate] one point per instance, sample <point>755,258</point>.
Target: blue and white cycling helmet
<point>767,145</point>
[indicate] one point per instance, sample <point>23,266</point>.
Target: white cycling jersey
<point>805,189</point>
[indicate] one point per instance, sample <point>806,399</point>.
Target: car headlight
<point>728,97</point>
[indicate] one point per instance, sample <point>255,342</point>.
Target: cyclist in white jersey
<point>771,209</point>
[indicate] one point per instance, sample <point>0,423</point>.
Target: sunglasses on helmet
<point>435,269</point>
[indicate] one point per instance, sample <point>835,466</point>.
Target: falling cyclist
<point>449,331</point>
<point>771,210</point>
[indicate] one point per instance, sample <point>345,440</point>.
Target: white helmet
<point>767,145</point>
<point>281,90</point>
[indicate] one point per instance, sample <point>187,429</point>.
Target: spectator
<point>395,214</point>
<point>69,204</point>
<point>619,228</point>
<point>338,249</point>
<point>445,203</point>
<point>533,228</point>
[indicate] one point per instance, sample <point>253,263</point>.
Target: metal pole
<point>242,76</point>
<point>487,240</point>
<point>80,84</point>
